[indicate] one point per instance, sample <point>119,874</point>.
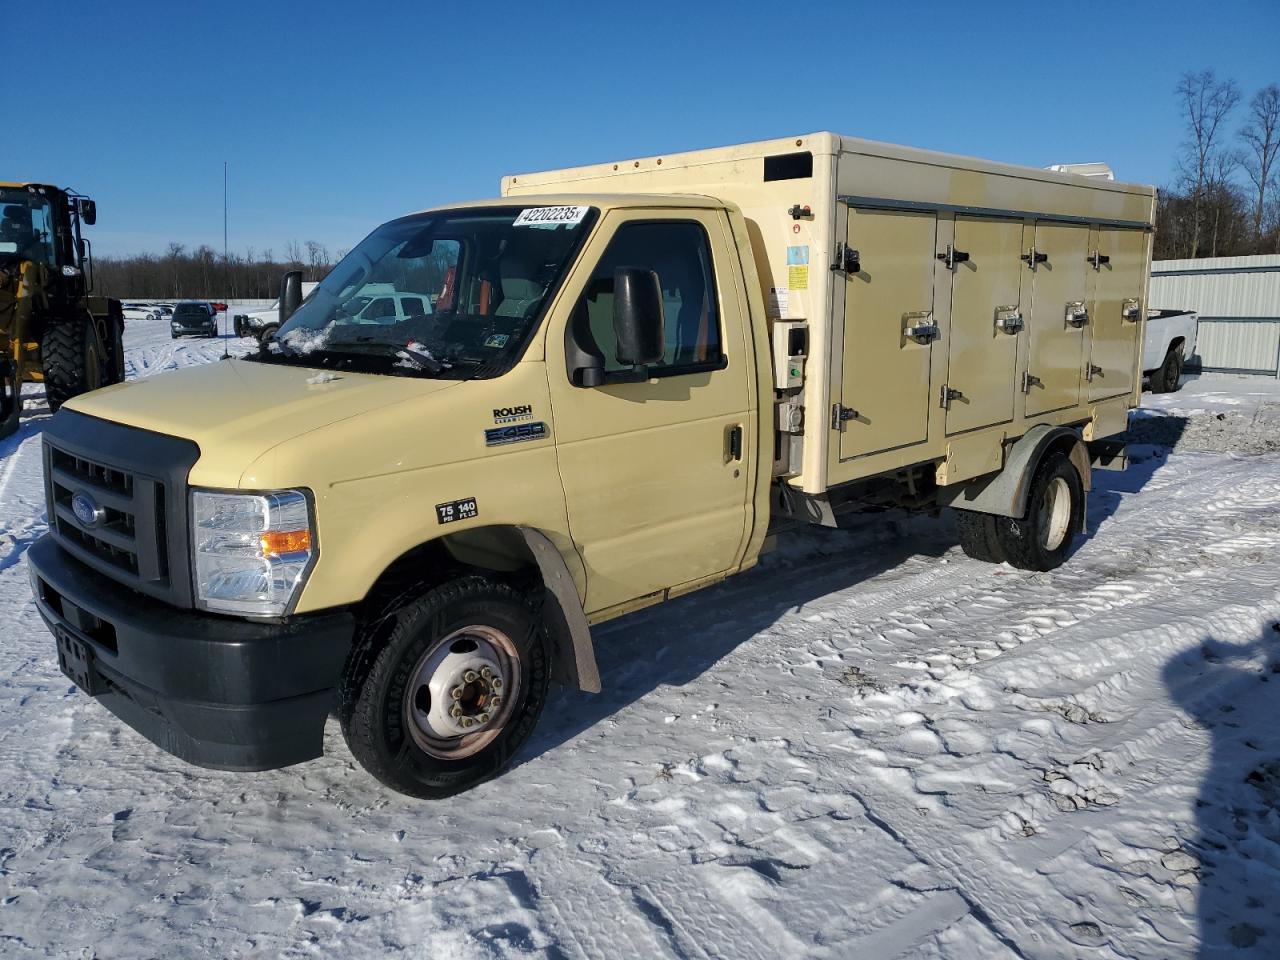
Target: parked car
<point>193,318</point>
<point>166,310</point>
<point>140,311</point>
<point>1170,339</point>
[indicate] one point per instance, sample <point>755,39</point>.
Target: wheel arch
<point>522,554</point>
<point>1005,492</point>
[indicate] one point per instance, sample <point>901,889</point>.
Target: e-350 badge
<point>513,414</point>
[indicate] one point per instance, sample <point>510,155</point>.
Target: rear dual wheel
<point>439,696</point>
<point>1042,538</point>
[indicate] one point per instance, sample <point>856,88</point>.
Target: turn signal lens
<point>279,543</point>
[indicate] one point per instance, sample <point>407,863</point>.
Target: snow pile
<point>869,746</point>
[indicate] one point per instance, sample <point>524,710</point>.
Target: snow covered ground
<point>870,746</point>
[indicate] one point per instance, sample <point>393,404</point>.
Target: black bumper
<point>215,691</point>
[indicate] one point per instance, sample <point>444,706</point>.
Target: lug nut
<point>456,711</point>
<point>456,693</point>
<point>497,683</point>
<point>483,718</point>
<point>470,676</point>
<point>486,672</point>
<point>466,722</point>
<point>496,702</point>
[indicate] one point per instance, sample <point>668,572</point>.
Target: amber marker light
<point>278,543</point>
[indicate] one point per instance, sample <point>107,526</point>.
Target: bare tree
<point>1261,135</point>
<point>1206,102</point>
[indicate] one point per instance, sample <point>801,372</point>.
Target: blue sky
<point>337,116</point>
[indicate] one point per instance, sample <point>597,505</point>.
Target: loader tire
<point>1055,513</point>
<point>978,536</point>
<point>1165,380</point>
<point>408,673</point>
<point>10,400</point>
<point>115,356</point>
<point>74,360</point>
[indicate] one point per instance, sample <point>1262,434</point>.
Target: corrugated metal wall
<point>1238,299</point>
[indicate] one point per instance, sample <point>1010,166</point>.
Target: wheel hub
<point>459,695</point>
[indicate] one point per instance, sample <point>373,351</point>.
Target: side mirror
<point>290,294</point>
<point>88,211</point>
<point>638,321</point>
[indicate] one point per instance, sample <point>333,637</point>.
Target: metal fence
<point>1238,299</point>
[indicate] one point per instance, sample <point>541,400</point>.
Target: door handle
<point>1129,309</point>
<point>735,442</point>
<point>1077,314</point>
<point>919,326</point>
<point>1009,319</point>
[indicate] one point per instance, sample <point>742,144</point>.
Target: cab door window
<point>679,253</point>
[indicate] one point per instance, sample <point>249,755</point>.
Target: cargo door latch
<point>947,396</point>
<point>1029,381</point>
<point>841,415</point>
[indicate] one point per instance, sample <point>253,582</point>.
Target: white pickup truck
<point>1170,339</point>
<point>263,322</point>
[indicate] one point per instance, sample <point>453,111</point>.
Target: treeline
<point>202,273</point>
<point>1225,199</point>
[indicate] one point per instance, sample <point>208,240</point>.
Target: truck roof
<point>822,142</point>
<point>565,198</point>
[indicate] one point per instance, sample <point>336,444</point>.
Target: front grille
<point>137,482</point>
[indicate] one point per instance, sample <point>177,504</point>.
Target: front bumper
<point>189,331</point>
<point>215,691</point>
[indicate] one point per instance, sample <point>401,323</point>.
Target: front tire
<point>1055,513</point>
<point>419,706</point>
<point>73,358</point>
<point>268,332</point>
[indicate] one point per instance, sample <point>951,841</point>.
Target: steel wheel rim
<point>452,706</point>
<point>1055,513</point>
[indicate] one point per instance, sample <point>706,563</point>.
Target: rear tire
<point>1166,379</point>
<point>268,332</point>
<point>74,360</point>
<point>978,536</point>
<point>1055,513</point>
<point>392,697</point>
<point>115,355</point>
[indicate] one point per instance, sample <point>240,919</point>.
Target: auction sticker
<point>549,216</point>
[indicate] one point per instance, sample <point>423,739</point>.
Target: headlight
<point>252,551</point>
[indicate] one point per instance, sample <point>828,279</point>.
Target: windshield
<point>26,226</point>
<point>449,294</point>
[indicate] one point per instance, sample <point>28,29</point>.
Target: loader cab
<point>41,224</point>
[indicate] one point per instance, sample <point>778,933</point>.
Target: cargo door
<point>889,330</point>
<point>985,322</point>
<point>1118,260</point>
<point>1059,302</point>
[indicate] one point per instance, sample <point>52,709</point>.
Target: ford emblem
<point>86,509</point>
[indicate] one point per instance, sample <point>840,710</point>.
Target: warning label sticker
<point>798,278</point>
<point>779,303</point>
<point>798,256</point>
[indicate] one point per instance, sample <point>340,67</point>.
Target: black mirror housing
<point>88,211</point>
<point>290,294</point>
<point>638,321</point>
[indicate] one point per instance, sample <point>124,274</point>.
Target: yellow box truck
<point>496,424</point>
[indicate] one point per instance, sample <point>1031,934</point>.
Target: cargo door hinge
<point>947,396</point>
<point>1029,381</point>
<point>952,256</point>
<point>848,260</point>
<point>1034,256</point>
<point>841,415</point>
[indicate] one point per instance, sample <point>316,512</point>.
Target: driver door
<point>656,470</point>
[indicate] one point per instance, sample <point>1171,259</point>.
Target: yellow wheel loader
<point>51,329</point>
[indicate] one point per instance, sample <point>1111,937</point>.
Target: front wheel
<point>1055,513</point>
<point>265,335</point>
<point>74,360</point>
<point>439,696</point>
